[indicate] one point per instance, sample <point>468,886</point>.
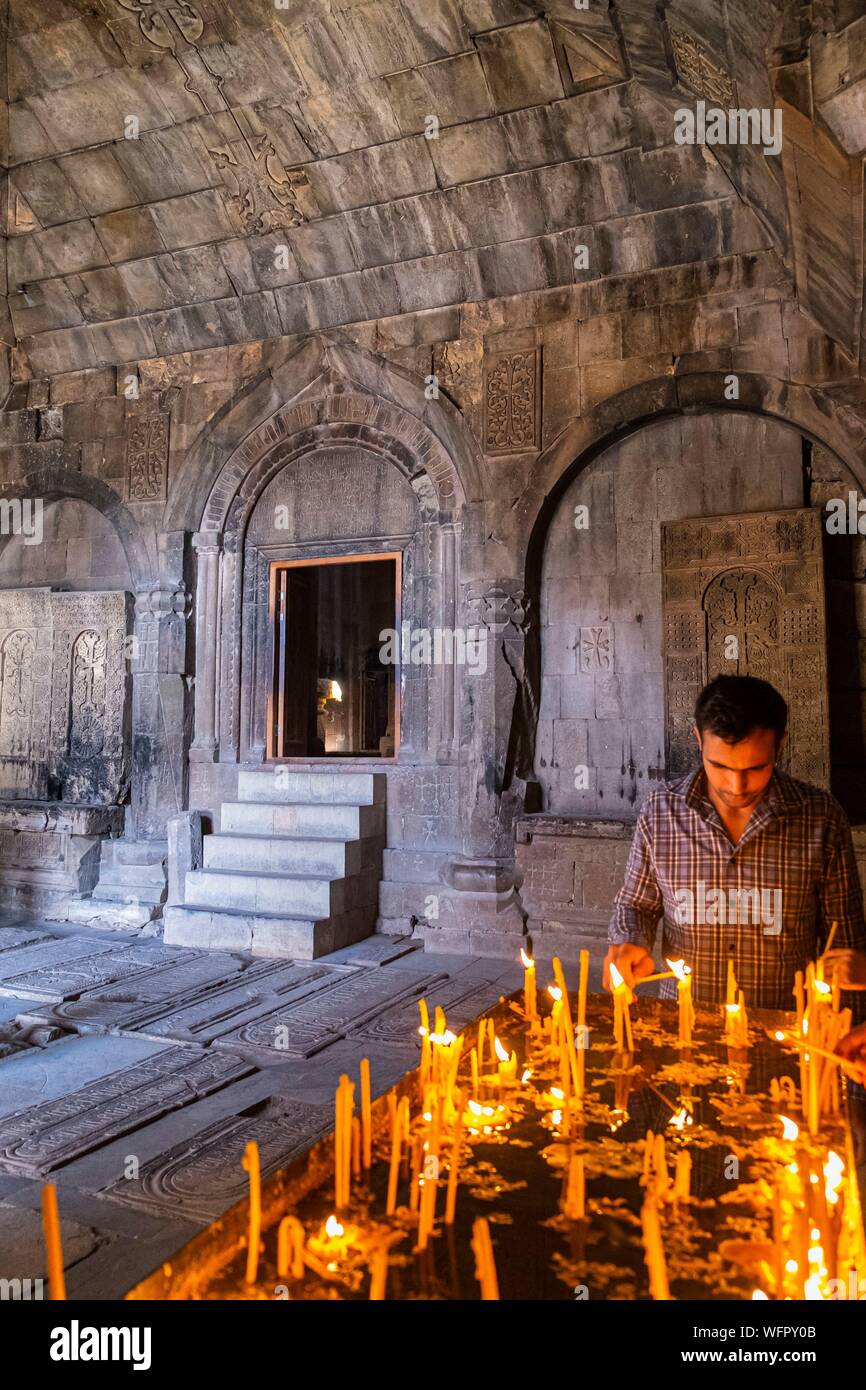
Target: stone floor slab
<point>198,1180</point>
<point>53,983</point>
<point>304,1028</point>
<point>112,1005</point>
<point>209,1013</point>
<point>44,1137</point>
<point>374,950</point>
<point>22,1247</point>
<point>47,955</point>
<point>13,937</point>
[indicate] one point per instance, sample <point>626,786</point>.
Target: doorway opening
<point>332,694</point>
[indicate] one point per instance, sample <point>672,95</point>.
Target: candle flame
<point>616,978</point>
<point>443,1039</point>
<point>732,1008</point>
<point>501,1052</point>
<point>525,1077</point>
<point>526,961</point>
<point>779,1036</point>
<point>475,1107</point>
<point>759,1296</point>
<point>791,1266</point>
<point>557,1093</point>
<point>789,1129</point>
<point>680,1119</point>
<point>554,992</point>
<point>821,987</point>
<point>333,1227</point>
<point>680,969</point>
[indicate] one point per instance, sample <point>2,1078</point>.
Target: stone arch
<point>347,400</point>
<point>55,483</point>
<point>326,382</point>
<point>810,411</point>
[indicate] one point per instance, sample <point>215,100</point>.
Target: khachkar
<point>64,739</point>
<point>744,595</point>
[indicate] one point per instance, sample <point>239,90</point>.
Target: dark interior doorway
<point>333,695</point>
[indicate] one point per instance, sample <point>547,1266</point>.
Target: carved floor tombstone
<point>64,739</point>
<point>744,595</point>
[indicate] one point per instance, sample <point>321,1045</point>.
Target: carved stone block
<point>732,606</point>
<point>304,1028</point>
<point>200,1178</point>
<point>44,1137</point>
<point>147,456</point>
<point>512,402</point>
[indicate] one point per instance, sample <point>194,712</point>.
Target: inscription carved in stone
<point>744,595</point>
<point>44,1137</point>
<point>699,70</point>
<point>512,399</point>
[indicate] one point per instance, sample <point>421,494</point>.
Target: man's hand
<point>633,963</point>
<point>850,967</point>
<point>853,1048</point>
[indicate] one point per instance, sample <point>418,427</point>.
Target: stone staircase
<point>294,869</point>
<point>129,892</point>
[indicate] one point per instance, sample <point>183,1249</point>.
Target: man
<point>742,861</point>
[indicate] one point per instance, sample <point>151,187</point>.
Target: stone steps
<point>315,820</point>
<point>265,933</point>
<point>294,869</point>
<point>304,788</point>
<point>283,854</point>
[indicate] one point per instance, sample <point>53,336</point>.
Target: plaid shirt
<point>797,841</point>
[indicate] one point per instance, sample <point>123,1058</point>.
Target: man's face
<point>738,773</point>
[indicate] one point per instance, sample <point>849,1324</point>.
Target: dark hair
<point>732,707</point>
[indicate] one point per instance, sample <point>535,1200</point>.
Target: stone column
<point>159,699</point>
<point>208,547</point>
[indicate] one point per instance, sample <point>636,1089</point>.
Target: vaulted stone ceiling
<point>188,173</point>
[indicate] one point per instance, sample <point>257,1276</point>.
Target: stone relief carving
<point>160,21</point>
<point>147,458</point>
<point>512,400</point>
<point>263,191</point>
<point>596,648</point>
<point>69,669</point>
<point>16,694</point>
<point>700,70</point>
<point>740,600</point>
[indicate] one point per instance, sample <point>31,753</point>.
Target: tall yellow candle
<point>378,1275</point>
<point>485,1267</point>
<point>654,1255</point>
<point>252,1166</point>
<point>530,988</point>
<point>683,1176</point>
<point>582,1040</point>
<point>396,1154</point>
<point>290,1248</point>
<point>53,1245</point>
<point>575,1193</point>
<point>454,1164</point>
<point>684,1000</point>
<point>366,1114</point>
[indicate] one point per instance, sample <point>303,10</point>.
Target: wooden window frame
<point>275,567</point>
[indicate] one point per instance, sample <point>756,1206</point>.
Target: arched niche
<point>600,739</point>
<point>353,474</point>
<point>332,503</point>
